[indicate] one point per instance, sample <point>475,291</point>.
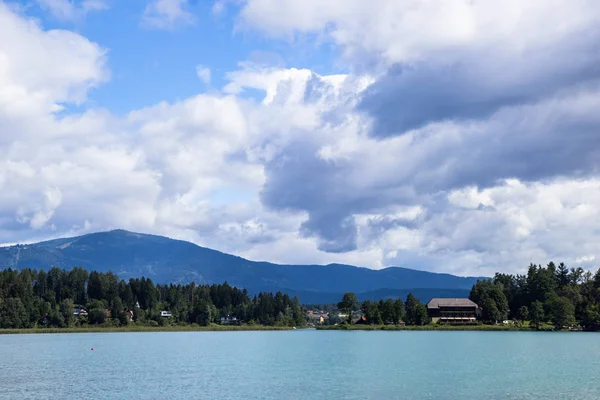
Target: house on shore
<point>128,314</point>
<point>79,311</point>
<point>317,317</point>
<point>229,320</point>
<point>165,314</point>
<point>453,311</point>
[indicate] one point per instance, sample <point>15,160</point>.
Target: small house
<point>360,320</point>
<point>165,314</point>
<point>229,320</point>
<point>80,311</point>
<point>129,315</point>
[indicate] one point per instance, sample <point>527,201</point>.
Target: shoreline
<point>480,328</point>
<point>215,328</point>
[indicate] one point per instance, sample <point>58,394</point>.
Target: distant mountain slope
<point>167,260</point>
<point>422,294</point>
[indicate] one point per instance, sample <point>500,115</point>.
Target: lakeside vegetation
<point>553,294</point>
<point>384,312</point>
<point>36,299</point>
<point>145,328</point>
<point>433,327</point>
<point>546,298</point>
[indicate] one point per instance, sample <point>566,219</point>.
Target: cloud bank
<point>464,139</point>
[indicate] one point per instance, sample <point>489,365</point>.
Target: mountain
<point>167,260</point>
<point>312,297</point>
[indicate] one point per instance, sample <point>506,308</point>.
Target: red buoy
<point>92,348</point>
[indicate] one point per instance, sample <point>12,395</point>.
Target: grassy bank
<point>432,327</point>
<point>133,328</point>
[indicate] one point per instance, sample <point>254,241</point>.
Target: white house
<point>166,314</point>
<point>229,320</point>
<point>80,311</point>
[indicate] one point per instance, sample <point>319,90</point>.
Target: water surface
<point>300,365</point>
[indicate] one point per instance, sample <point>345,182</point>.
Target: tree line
<point>30,298</point>
<point>385,312</point>
<point>553,294</point>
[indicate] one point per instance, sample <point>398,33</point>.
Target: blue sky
<point>149,64</point>
<point>460,137</point>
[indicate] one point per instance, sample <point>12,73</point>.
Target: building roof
<point>437,303</point>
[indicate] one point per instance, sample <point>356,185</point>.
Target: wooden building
<point>453,311</point>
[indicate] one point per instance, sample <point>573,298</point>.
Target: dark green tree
<point>490,313</point>
<point>116,310</point>
<point>523,314</point>
<point>96,316</point>
<point>563,276</point>
<point>348,304</point>
<point>66,310</point>
<point>562,312</point>
<point>400,311</point>
<point>371,312</point>
<point>591,318</point>
<point>536,313</point>
<point>490,295</point>
<point>13,314</point>
<point>388,312</point>
<point>204,316</point>
<point>416,312</point>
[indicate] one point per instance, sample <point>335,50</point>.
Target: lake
<point>301,364</point>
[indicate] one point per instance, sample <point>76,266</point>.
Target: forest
<point>553,295</point>
<point>384,312</point>
<point>30,298</point>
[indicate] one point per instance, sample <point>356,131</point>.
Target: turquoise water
<point>301,365</point>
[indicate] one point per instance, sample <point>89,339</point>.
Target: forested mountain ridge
<point>164,260</point>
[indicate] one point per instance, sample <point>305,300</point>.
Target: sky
<point>459,137</point>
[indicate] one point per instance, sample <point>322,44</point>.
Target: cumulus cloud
<point>489,229</point>
<point>167,14</point>
<point>37,79</point>
<point>441,60</point>
<point>465,139</point>
<point>463,93</point>
<point>405,31</point>
<point>164,169</point>
<point>338,171</point>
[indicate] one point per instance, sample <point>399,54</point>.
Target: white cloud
<point>167,14</point>
<point>411,30</point>
<point>298,169</point>
<point>42,69</point>
<point>72,10</point>
<point>535,222</point>
<point>203,73</point>
<point>39,216</point>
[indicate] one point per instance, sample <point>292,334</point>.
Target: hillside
<point>166,260</point>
